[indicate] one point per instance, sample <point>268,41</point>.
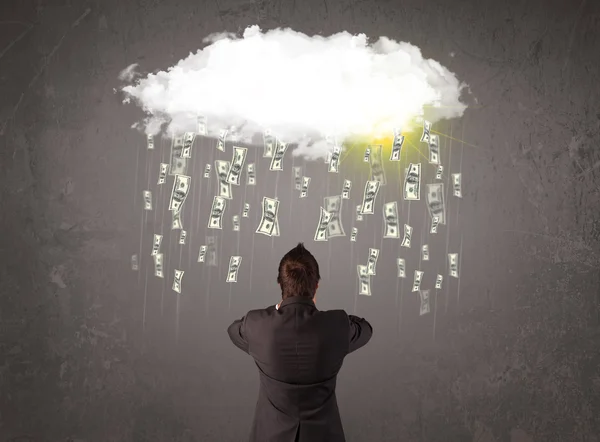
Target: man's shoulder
<point>338,316</point>
<point>336,313</point>
<point>260,312</point>
<point>269,311</point>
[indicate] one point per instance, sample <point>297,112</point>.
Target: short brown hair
<point>298,273</point>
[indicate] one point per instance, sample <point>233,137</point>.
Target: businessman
<point>299,351</point>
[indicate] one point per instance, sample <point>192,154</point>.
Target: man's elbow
<point>367,333</point>
<point>232,330</point>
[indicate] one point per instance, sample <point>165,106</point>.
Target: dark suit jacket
<point>299,351</point>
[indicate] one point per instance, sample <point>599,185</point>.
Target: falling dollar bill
<point>234,267</point>
<point>369,196</point>
<point>359,216</point>
<point>134,263</point>
<point>434,149</point>
<point>217,210</point>
<point>453,264</point>
<point>408,230</point>
<point>162,173</point>
<point>178,165</point>
<point>333,205</point>
<point>158,265</point>
<point>176,222</point>
<point>426,131</point>
<point>401,263</point>
<point>372,261</point>
<point>321,234</point>
<point>412,182</point>
<point>179,193</point>
<point>222,170</point>
<point>298,178</point>
<point>346,189</point>
<point>439,172</point>
<point>456,184</point>
<point>436,203</point>
<point>417,280</point>
<point>364,280</point>
<point>221,140</point>
<point>237,165</point>
<point>147,199</point>
<point>305,184</point>
<point>236,223</point>
<point>277,159</point>
<point>438,282</point>
<point>182,237</point>
<point>246,210</point>
<point>353,234</point>
<point>207,171</point>
<point>424,309</point>
<point>251,175</point>
<point>211,251</point>
<point>434,224</point>
<point>397,145</point>
<point>150,141</point>
<point>235,134</point>
<point>367,155</point>
<point>390,220</point>
<point>425,252</point>
<point>156,244</point>
<point>202,253</point>
<point>212,257</point>
<point>376,163</point>
<point>270,210</point>
<point>188,142</point>
<point>334,163</point>
<point>269,144</point>
<point>202,125</point>
<point>177,280</point>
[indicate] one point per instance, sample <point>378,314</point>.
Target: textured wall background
<point>89,352</point>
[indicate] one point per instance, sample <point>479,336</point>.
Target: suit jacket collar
<point>297,300</point>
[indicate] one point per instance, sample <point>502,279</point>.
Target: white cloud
<point>128,74</point>
<point>300,87</point>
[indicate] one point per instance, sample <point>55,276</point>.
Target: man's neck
<point>313,300</point>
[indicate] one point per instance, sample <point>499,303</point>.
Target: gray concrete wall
<point>91,351</point>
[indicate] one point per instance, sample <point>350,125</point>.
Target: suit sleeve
<point>237,334</point>
<point>360,333</point>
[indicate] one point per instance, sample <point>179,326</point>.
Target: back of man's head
<point>298,273</point>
